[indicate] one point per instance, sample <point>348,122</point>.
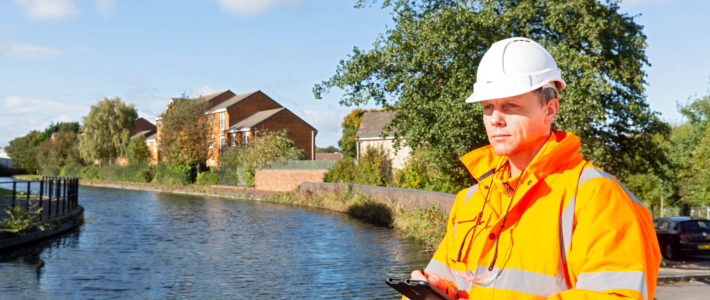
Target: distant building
<point>141,127</point>
<point>369,134</point>
<point>237,120</point>
<point>5,159</point>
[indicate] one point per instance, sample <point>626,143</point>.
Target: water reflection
<point>155,245</point>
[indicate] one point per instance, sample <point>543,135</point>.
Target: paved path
<point>695,290</point>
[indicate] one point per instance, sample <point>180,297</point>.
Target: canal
<point>140,245</point>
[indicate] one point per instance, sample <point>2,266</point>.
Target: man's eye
<point>511,105</point>
<point>488,107</point>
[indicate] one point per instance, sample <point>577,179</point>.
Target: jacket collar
<point>561,149</point>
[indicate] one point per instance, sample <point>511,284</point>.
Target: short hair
<point>546,93</point>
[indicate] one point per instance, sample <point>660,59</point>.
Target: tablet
<point>416,289</point>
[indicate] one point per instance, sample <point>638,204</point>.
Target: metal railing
<point>52,196</point>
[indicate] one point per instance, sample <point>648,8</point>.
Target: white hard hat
<point>512,67</point>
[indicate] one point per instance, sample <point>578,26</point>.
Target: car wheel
<point>671,252</point>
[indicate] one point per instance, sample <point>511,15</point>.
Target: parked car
<point>679,236</point>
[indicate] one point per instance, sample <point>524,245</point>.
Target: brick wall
<point>298,130</point>
<point>284,180</point>
<point>410,198</point>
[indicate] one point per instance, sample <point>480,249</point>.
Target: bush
<point>344,170</point>
<point>50,170</point>
<point>421,172</point>
<point>173,174</point>
<point>375,168</point>
<point>89,172</point>
<point>71,170</point>
<point>208,178</point>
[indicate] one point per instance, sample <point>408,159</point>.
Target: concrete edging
<point>65,222</point>
<point>212,190</point>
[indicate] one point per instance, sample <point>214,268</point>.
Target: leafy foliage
<point>425,65</point>
<point>22,153</point>
<point>20,220</point>
<point>186,133</point>
<point>422,172</point>
<point>329,149</point>
<point>137,150</point>
<point>59,150</point>
<point>373,168</point>
<point>350,125</point>
<point>106,130</point>
<point>269,146</point>
<point>691,152</point>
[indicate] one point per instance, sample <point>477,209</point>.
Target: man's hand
<point>435,281</point>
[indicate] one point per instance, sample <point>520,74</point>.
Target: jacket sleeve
<point>613,251</point>
<point>439,264</point>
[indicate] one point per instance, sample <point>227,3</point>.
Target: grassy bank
<point>27,177</point>
<point>427,227</point>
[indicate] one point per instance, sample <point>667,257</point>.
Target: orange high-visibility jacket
<point>572,231</point>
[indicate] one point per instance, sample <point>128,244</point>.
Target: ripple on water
<point>156,245</point>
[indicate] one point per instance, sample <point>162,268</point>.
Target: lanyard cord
<point>495,254</point>
<point>480,217</point>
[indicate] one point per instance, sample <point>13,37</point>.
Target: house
<point>141,127</point>
<point>5,160</point>
<point>369,134</point>
<point>237,120</point>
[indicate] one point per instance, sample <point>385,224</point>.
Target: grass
<point>27,177</point>
<point>5,192</point>
<point>426,226</point>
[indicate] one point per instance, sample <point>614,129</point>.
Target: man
<point>542,222</point>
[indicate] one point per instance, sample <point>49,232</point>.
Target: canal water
<point>142,245</point>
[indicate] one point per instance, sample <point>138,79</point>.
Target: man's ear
<point>551,107</point>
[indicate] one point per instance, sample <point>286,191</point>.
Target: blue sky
<point>58,57</point>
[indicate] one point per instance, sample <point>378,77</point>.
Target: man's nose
<point>497,118</point>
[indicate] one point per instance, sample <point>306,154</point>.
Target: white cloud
<point>21,114</point>
<point>248,8</point>
<point>28,51</point>
<point>49,9</point>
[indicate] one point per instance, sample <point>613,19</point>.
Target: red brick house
<point>237,120</point>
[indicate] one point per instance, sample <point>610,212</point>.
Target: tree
<point>22,153</point>
<point>59,151</point>
<point>106,130</point>
<point>270,146</point>
<point>137,150</point>
<point>329,149</point>
<point>691,153</point>
<point>350,125</point>
<point>186,132</point>
<point>425,65</point>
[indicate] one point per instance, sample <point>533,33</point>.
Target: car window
<point>695,226</point>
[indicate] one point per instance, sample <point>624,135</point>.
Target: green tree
<point>23,153</point>
<point>425,65</point>
<point>329,149</point>
<point>350,125</point>
<point>137,150</point>
<point>269,146</point>
<point>106,130</point>
<point>691,153</point>
<point>186,133</point>
<point>60,150</point>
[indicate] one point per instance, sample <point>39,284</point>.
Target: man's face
<point>518,126</point>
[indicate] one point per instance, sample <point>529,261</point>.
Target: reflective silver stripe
<point>566,225</point>
<point>610,280</point>
<point>523,281</point>
<point>591,173</point>
<point>510,279</point>
<point>567,218</point>
<point>470,192</point>
<point>438,268</point>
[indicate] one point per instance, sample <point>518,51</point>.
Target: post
<point>64,204</point>
<point>41,192</point>
<point>49,200</point>
<point>14,193</point>
<point>28,196</point>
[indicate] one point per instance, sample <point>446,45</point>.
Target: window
<point>221,121</point>
<point>211,137</point>
<point>245,138</point>
<point>154,147</point>
<point>234,139</point>
<point>221,141</point>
